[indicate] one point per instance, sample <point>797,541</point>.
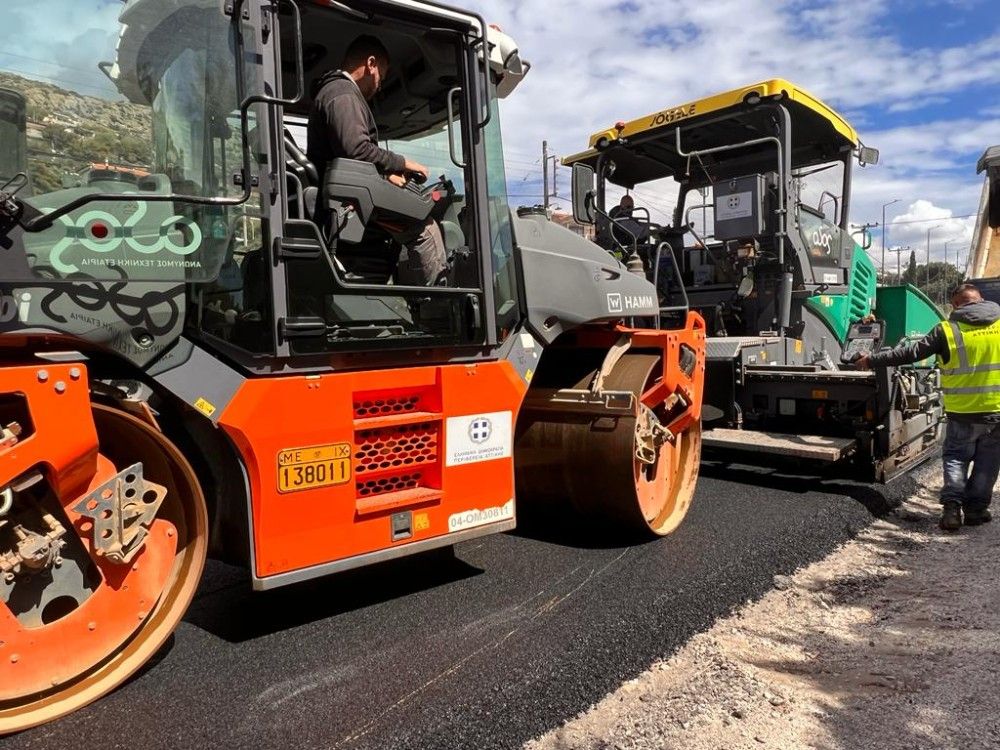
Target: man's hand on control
<point>863,362</point>
<point>415,167</point>
<point>397,179</point>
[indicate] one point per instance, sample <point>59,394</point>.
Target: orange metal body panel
<point>61,442</point>
<point>395,424</point>
<point>669,341</point>
<point>62,439</point>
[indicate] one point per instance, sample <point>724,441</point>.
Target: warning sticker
<point>481,437</point>
<point>205,407</point>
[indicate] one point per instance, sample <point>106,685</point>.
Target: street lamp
<point>928,269</point>
<point>944,287</point>
<point>948,242</point>
<point>894,200</point>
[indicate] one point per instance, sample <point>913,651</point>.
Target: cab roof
<point>819,134</point>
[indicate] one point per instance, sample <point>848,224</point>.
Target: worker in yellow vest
<point>968,352</point>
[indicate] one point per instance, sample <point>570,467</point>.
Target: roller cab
<point>211,347</point>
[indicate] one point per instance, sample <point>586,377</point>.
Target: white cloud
<point>66,52</point>
<point>949,236</point>
<point>594,65</point>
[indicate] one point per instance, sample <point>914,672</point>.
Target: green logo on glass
<point>101,232</point>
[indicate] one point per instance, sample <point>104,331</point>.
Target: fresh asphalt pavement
<point>513,635</point>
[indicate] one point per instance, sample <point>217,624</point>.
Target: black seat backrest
<point>299,163</point>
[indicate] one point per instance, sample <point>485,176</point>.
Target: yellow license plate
<point>315,466</point>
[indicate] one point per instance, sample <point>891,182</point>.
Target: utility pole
<point>899,270</point>
<point>894,200</point>
<point>555,176</point>
<point>545,173</point>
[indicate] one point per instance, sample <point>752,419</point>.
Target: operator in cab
<point>624,227</point>
<point>341,125</point>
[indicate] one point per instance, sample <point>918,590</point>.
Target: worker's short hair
<point>361,49</point>
<point>963,289</point>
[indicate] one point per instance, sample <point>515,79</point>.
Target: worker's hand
<point>863,362</point>
<point>397,179</point>
<point>415,167</point>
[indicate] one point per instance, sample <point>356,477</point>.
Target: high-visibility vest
<point>970,379</point>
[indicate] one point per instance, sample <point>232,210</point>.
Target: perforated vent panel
<point>392,448</point>
<point>393,483</point>
<point>383,407</point>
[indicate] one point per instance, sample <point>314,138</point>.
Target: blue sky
<point>920,80</point>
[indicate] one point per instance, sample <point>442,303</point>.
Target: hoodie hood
<point>977,314</point>
<point>330,75</point>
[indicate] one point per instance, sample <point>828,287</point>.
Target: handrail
<point>686,307</point>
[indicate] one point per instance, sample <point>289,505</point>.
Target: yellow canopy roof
<point>801,103</point>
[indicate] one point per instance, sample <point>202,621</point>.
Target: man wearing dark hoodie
<point>968,352</point>
<point>341,125</point>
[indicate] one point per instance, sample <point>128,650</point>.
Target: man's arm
<point>346,123</point>
<point>908,352</point>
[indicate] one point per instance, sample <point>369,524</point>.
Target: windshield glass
<point>821,188</point>
<point>135,99</point>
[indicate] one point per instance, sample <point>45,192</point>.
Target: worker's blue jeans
<point>978,444</point>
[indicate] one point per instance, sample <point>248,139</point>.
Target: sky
<point>918,79</point>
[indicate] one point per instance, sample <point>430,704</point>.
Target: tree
<point>938,279</point>
<point>57,136</point>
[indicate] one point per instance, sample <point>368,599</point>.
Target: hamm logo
<point>638,302</point>
<point>615,303</point>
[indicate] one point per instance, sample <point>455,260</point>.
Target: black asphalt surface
<point>511,637</point>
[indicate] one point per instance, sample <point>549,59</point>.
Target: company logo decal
<point>101,232</point>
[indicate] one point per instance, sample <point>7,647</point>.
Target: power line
<point>922,221</point>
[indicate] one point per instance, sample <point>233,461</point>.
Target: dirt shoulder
<point>892,641</point>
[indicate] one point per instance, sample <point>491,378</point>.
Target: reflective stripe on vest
<point>970,379</point>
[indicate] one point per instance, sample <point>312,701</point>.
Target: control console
<point>863,339</point>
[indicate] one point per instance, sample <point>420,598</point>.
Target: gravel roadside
<point>891,642</point>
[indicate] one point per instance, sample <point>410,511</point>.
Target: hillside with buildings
<point>68,131</point>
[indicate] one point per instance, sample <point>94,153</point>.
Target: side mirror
<point>868,155</point>
<point>583,193</point>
